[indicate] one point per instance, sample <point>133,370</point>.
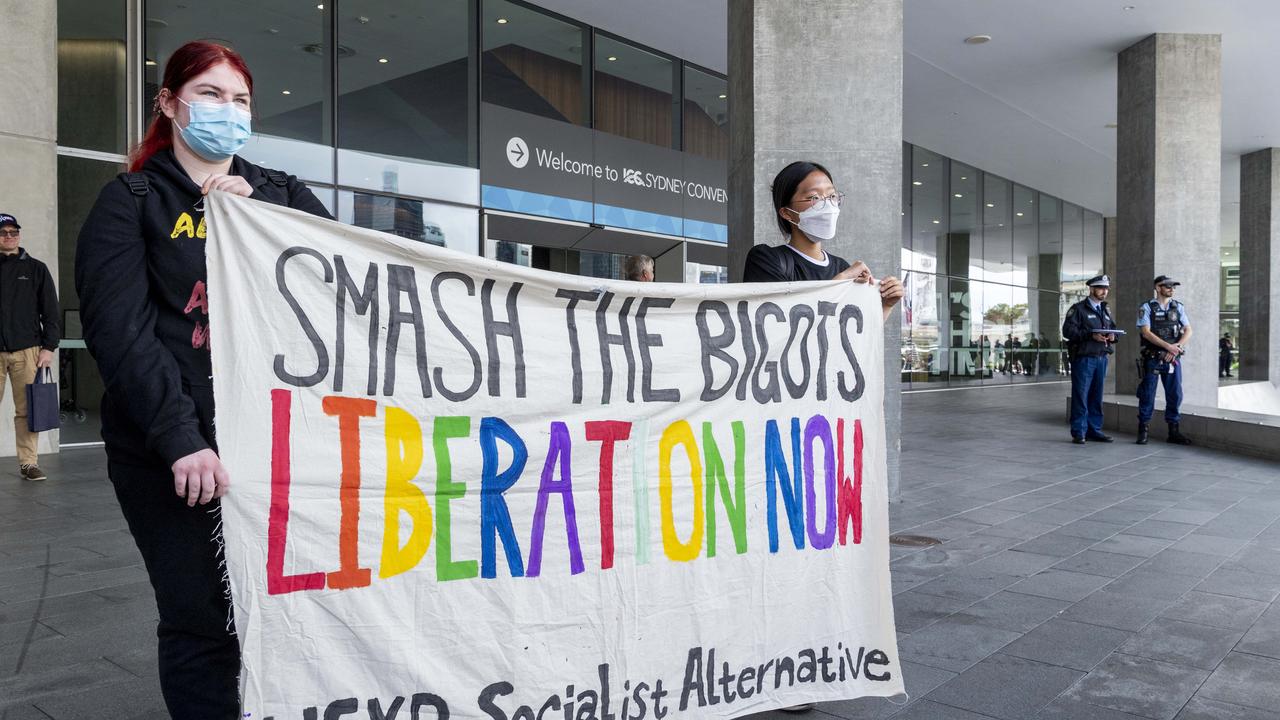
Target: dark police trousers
<point>1088,378</point>
<point>199,656</point>
<point>1172,381</point>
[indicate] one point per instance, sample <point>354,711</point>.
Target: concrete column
<point>1259,341</point>
<point>850,121</point>
<point>28,144</point>
<point>1109,267</point>
<point>1109,246</point>
<point>1168,177</point>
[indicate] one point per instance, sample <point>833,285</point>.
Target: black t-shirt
<point>783,263</point>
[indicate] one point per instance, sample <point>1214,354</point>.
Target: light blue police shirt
<point>1144,313</point>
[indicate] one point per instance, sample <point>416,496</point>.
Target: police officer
<point>1165,331</point>
<point>1089,349</point>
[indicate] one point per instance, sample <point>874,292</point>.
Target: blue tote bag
<point>42,402</point>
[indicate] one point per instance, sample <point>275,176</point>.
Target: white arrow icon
<point>517,152</point>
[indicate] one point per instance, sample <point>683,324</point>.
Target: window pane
<point>633,92</point>
<point>1073,276</point>
<point>457,228</point>
<point>963,254</point>
<point>403,106</point>
<point>1065,301</point>
<point>1025,242</point>
<point>924,343</point>
<point>1092,250</point>
<point>327,197</point>
<point>706,114</point>
<point>1049,331</point>
<point>607,266</point>
<point>79,182</point>
<point>92,87</point>
<point>967,352</point>
<point>1048,268</point>
<point>906,260</point>
<point>997,230</point>
<point>705,274</point>
<point>533,63</point>
<point>998,319</point>
<point>1025,342</point>
<point>928,210</point>
<point>287,51</point>
<point>509,252</point>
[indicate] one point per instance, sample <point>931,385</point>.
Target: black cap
<point>1165,280</point>
<point>7,219</point>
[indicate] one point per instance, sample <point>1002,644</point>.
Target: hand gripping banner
<point>463,488</point>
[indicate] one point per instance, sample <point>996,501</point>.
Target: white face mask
<point>818,223</point>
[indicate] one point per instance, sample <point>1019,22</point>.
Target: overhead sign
<point>540,166</point>
<point>477,490</point>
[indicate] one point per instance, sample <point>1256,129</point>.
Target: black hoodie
<point>140,273</point>
<point>28,304</point>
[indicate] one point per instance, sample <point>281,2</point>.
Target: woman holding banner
<point>140,274</point>
<point>807,204</point>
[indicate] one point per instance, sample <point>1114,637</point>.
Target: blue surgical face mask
<point>216,131</point>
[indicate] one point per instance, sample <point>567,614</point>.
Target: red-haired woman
<point>140,274</point>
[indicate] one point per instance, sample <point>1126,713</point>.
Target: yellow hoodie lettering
<point>200,232</point>
<point>185,225</point>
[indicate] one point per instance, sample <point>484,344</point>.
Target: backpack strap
<point>137,183</point>
<point>139,186</point>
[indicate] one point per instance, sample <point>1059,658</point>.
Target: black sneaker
<point>1100,437</point>
<point>1077,439</point>
<point>31,472</point>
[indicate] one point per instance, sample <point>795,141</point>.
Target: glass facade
<point>990,269</point>
<point>377,103</point>
<point>536,63</point>
<point>705,114</point>
<point>92,75</point>
<point>406,115</point>
<point>635,92</point>
<point>93,136</point>
<point>289,48</point>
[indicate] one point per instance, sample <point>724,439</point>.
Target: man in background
<point>29,332</point>
<point>638,268</point>
<point>1225,346</point>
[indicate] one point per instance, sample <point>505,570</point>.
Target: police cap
<point>1165,280</point>
<point>1099,281</point>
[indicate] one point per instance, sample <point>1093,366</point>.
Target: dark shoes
<point>1143,431</point>
<point>1176,437</point>
<point>1099,437</point>
<point>31,472</point>
<point>1077,439</point>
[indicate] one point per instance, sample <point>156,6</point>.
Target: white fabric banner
<point>466,488</point>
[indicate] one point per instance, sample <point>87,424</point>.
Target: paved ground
<point>1108,582</point>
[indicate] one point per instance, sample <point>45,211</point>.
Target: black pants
<point>199,656</point>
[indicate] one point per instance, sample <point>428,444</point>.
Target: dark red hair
<point>186,63</point>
